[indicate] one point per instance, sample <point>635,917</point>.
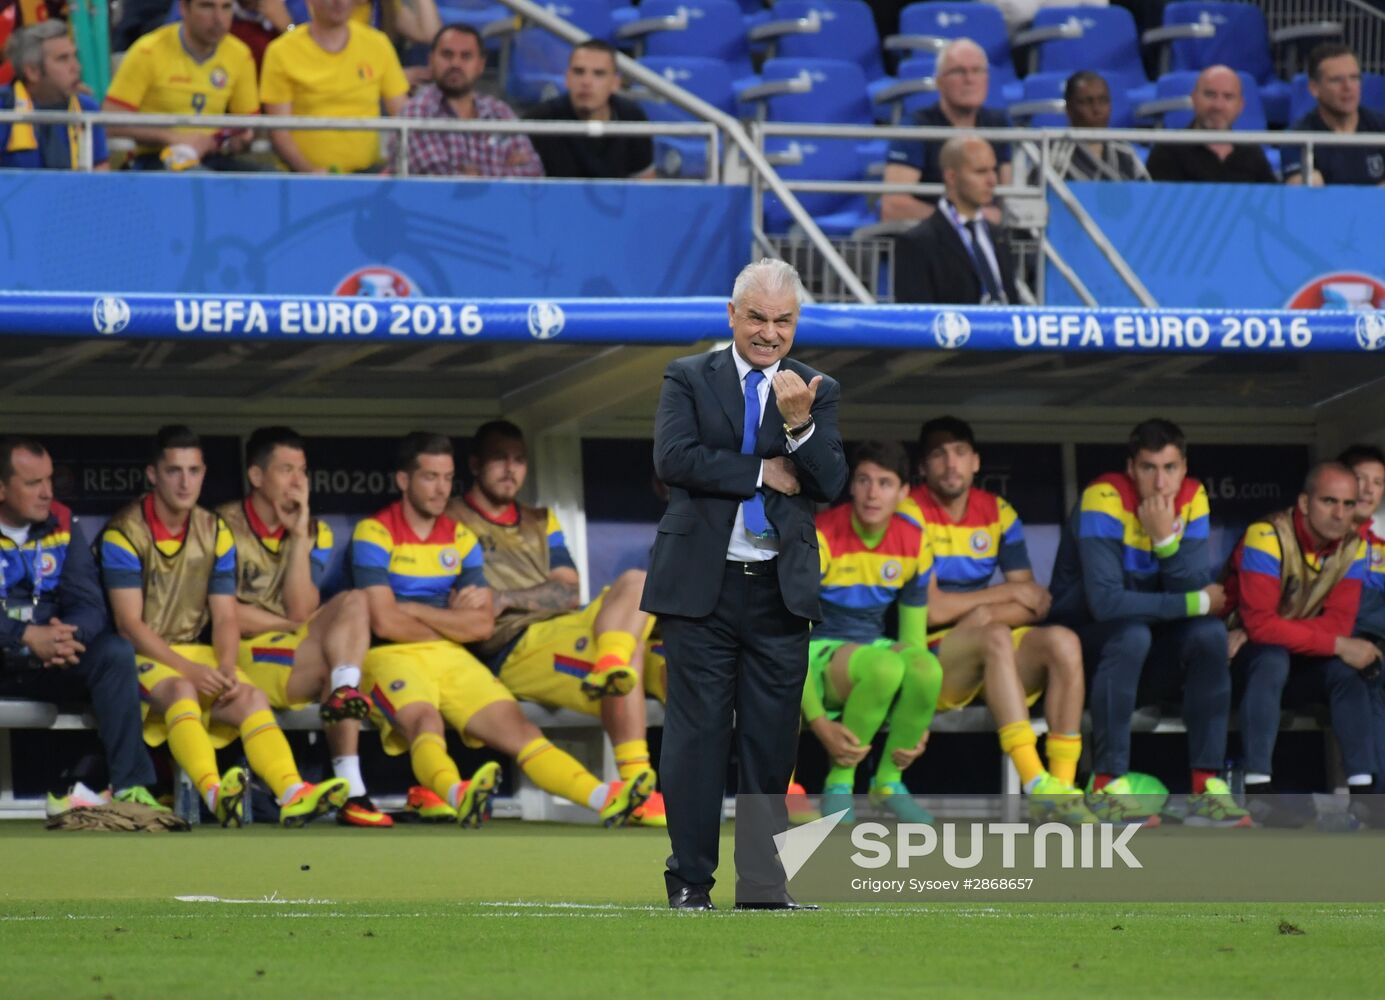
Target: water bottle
<point>187,801</point>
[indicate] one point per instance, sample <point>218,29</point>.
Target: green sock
<point>913,712</point>
<point>875,678</point>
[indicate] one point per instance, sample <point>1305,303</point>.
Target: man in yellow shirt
<point>193,67</point>
<point>332,68</point>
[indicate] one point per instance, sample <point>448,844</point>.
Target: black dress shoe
<point>690,897</point>
<point>785,902</point>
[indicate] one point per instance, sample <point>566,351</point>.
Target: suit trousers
<point>742,666</point>
<point>105,675</point>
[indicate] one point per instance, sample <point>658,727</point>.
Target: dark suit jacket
<point>697,452</point>
<point>932,264</point>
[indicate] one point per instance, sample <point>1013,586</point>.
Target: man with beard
<point>423,574</point>
<point>989,645</point>
<point>546,648</point>
<point>457,60</point>
<point>1217,103</point>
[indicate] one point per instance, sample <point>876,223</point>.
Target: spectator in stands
<point>1217,103</point>
<point>332,68</point>
<point>295,647</point>
<point>955,255</point>
<point>420,675</point>
<point>1368,463</point>
<point>592,82</point>
<point>48,77</point>
<point>169,568</point>
<point>860,678</point>
<point>457,60</point>
<point>1334,79</point>
<point>192,67</point>
<point>984,635</point>
<point>539,620</point>
<point>1133,578</point>
<point>55,639</point>
<point>1088,99</point>
<point>1293,590</point>
<point>963,75</point>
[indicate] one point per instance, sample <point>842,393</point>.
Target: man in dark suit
<point>955,256</point>
<point>747,442</point>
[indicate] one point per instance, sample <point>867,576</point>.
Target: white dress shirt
<point>744,546</point>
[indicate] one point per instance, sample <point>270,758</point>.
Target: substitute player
<point>989,647</point>
<point>858,677</point>
<point>294,648</point>
<point>588,659</point>
<point>423,576</point>
<point>169,570</point>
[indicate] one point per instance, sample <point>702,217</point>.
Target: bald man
<point>963,76</point>
<point>1293,588</point>
<point>955,255</point>
<point>1217,103</point>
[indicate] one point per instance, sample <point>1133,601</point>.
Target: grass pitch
<point>531,910</point>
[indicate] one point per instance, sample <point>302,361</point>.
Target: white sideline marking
<point>272,898</point>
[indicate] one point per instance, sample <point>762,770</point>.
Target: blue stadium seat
<point>1229,34</point>
<point>926,27</point>
<point>823,29</point>
<point>1067,39</point>
<point>710,28</point>
<point>705,78</point>
<point>1041,89</point>
<point>818,160</point>
<point>1301,101</point>
<point>823,91</point>
<point>477,14</point>
<point>538,59</point>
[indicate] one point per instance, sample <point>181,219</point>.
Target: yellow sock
<point>268,752</point>
<point>1063,751</point>
<point>632,757</point>
<point>614,649</point>
<point>557,772</point>
<point>1018,740</point>
<point>190,745</point>
<point>432,766</point>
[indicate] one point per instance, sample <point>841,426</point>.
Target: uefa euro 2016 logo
<point>951,330</point>
<point>546,320</point>
<point>1370,330</point>
<point>110,314</point>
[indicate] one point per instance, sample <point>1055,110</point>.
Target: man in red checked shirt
<point>1292,589</point>
<point>457,60</point>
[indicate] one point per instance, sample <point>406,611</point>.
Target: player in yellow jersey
<point>545,648</point>
<point>422,574</point>
<point>168,566</point>
<point>192,67</point>
<point>332,67</point>
<point>294,647</point>
<point>993,646</point>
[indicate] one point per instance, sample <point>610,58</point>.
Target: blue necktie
<point>753,510</point>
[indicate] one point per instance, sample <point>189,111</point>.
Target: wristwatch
<point>800,430</point>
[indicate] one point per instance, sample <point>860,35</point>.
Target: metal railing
<point>1025,202</point>
<point>1363,28</point>
<point>398,128</point>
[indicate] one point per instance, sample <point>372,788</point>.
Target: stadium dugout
<point>554,306</point>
